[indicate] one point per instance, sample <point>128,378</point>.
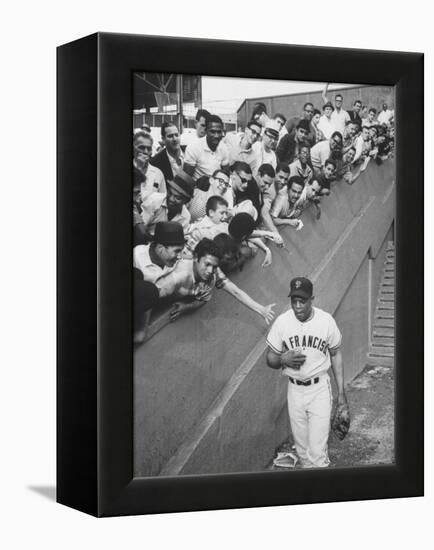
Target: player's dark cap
<point>301,287</point>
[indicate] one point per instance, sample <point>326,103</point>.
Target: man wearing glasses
<point>265,149</point>
<point>240,145</point>
<point>217,185</point>
<point>244,188</point>
<point>307,115</point>
<point>323,150</point>
<point>290,144</point>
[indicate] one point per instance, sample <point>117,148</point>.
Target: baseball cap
<point>183,184</point>
<point>301,287</point>
<point>272,128</point>
<point>328,104</point>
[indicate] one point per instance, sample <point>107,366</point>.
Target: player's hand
<point>268,258</point>
<point>268,313</point>
<point>292,359</point>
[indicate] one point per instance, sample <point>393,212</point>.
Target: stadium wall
<point>205,402</point>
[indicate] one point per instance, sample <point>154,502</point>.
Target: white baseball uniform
<point>309,389</point>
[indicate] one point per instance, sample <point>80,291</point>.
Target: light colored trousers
<point>310,410</point>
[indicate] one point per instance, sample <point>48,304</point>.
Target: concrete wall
<point>377,264</point>
<point>352,316</point>
<point>204,399</point>
<point>292,105</point>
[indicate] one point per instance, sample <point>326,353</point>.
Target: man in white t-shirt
<point>304,342</point>
<point>190,136</point>
<point>208,154</point>
<point>240,146</point>
<point>339,117</point>
<point>385,115</point>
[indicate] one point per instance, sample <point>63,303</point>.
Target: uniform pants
<point>310,410</point>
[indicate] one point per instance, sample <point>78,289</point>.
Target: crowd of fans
<point>200,211</point>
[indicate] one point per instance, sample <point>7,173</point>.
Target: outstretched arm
<point>179,308</point>
<point>264,311</point>
<point>324,93</point>
<point>267,251</point>
<point>287,221</point>
<point>268,222</point>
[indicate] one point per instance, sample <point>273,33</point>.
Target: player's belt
<point>306,382</point>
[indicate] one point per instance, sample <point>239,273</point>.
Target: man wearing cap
<point>205,155</point>
<point>339,116</point>
<point>325,124</point>
<point>265,149</point>
<point>171,207</point>
<point>156,260</point>
<point>290,144</point>
<point>304,342</point>
<point>292,123</point>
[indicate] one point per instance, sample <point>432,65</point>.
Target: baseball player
<point>303,342</point>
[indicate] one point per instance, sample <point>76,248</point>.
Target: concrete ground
<point>371,436</point>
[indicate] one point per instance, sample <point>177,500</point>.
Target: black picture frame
<point>94,373</point>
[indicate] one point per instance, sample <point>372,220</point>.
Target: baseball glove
<point>341,421</point>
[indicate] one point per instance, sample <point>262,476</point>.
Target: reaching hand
<point>277,239</point>
<point>268,313</point>
<point>176,311</point>
<point>268,259</point>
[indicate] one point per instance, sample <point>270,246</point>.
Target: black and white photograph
<point>264,275</point>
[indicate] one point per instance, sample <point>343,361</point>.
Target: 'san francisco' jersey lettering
<point>314,338</point>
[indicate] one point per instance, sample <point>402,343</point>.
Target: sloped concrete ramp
<point>205,402</point>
